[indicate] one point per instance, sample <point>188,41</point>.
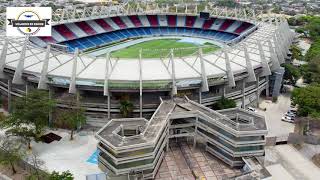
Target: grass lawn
<point>161,48</point>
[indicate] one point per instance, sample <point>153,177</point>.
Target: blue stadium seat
<point>113,36</point>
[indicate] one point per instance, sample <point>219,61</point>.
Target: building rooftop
<point>146,133</point>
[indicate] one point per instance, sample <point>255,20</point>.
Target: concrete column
<point>173,72</point>
<point>267,87</point>
<point>195,134</point>
<point>9,94</point>
<point>257,92</point>
<point>229,71</point>
<point>265,66</point>
<point>26,88</point>
<point>106,91</point>
<point>17,77</point>
<point>273,56</point>
<point>109,94</point>
<point>140,81</point>
<point>167,137</point>
<point>3,57</point>
<point>44,71</point>
<point>252,76</point>
<point>224,90</point>
<point>50,112</point>
<point>243,91</point>
<point>200,96</point>
<point>72,85</point>
<point>204,84</point>
<point>277,50</point>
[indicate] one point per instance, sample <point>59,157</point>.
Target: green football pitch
<point>161,48</point>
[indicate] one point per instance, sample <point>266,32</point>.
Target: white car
<point>251,109</point>
<point>287,119</point>
<point>290,114</point>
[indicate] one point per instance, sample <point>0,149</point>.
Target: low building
<point>135,147</point>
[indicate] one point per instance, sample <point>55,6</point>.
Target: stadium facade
<point>241,70</point>
<point>174,90</point>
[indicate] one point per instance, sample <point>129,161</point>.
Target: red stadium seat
<point>86,28</point>
<point>153,20</point>
<point>190,20</point>
<point>104,24</point>
<point>172,20</point>
<point>119,22</point>
<point>48,39</point>
<point>226,24</point>
<point>65,31</point>
<point>244,26</point>
<point>208,23</point>
<point>135,20</point>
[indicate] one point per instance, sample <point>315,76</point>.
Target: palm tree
<point>126,108</point>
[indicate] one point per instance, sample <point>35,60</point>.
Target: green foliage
<point>314,51</point>
<point>311,71</point>
<point>300,30</point>
<point>296,52</point>
<point>224,103</point>
<point>66,175</point>
<point>29,116</point>
<point>291,73</point>
<point>314,27</point>
<point>126,108</point>
<point>276,9</point>
<point>308,99</point>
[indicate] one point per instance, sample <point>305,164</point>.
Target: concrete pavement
<point>273,116</point>
<point>292,162</point>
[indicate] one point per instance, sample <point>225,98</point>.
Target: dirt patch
<point>316,160</point>
<point>20,175</point>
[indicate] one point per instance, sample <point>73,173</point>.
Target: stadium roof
<point>266,47</point>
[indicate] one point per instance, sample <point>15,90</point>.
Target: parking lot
<point>273,114</point>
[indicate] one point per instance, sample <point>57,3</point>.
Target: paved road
<point>295,165</point>
<point>274,113</point>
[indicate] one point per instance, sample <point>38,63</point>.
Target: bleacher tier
<point>92,33</point>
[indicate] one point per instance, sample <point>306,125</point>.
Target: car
<point>251,109</point>
<point>290,114</point>
<point>287,119</point>
<point>294,111</point>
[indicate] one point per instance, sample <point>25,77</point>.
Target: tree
<point>126,108</point>
<point>10,153</point>
<point>276,9</point>
<point>29,116</point>
<point>291,73</point>
<point>73,117</point>
<point>308,100</point>
<point>66,175</point>
<point>296,52</point>
<point>224,103</point>
<point>25,133</point>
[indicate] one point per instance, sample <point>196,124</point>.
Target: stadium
<point>158,58</point>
